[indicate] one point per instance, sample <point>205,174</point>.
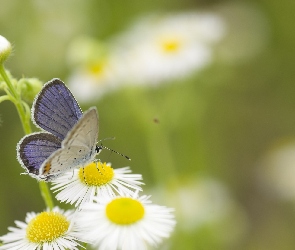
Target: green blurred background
<point>217,126</point>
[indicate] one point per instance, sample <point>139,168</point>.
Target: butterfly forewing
<point>55,109</point>
<point>78,148</point>
<point>85,133</point>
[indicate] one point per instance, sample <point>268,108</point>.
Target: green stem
<point>20,109</point>
<point>84,245</point>
<point>5,98</point>
<point>8,82</point>
<point>24,114</point>
<point>46,195</point>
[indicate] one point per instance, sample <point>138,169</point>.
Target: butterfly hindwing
<point>34,149</point>
<point>55,109</point>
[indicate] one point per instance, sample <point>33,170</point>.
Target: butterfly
<point>68,139</point>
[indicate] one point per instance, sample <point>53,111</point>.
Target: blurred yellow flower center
<point>170,45</point>
<point>46,227</point>
<point>96,174</point>
<point>96,68</point>
<point>124,211</point>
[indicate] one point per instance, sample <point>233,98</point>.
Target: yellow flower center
<point>96,174</point>
<point>124,211</point>
<point>96,68</point>
<point>46,227</point>
<point>171,45</point>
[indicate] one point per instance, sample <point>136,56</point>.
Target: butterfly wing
<point>55,109</point>
<point>34,149</point>
<point>78,148</point>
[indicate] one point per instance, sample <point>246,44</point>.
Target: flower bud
<point>5,49</point>
<point>29,87</point>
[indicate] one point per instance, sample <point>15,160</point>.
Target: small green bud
<point>5,49</point>
<point>29,87</point>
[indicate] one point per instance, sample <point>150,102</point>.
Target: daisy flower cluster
<point>156,49</point>
<point>110,214</point>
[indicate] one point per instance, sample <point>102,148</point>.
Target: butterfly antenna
<point>108,138</point>
<point>101,147</point>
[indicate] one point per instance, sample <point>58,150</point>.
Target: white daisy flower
<point>163,47</point>
<point>46,230</point>
<point>125,222</point>
<point>95,69</point>
<point>95,180</point>
<point>156,49</point>
<point>88,86</point>
<point>92,81</point>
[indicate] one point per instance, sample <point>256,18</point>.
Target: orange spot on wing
<point>47,168</point>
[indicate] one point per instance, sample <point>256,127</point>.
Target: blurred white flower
<point>276,172</point>
<point>94,69</point>
<point>91,83</point>
<point>127,223</point>
<point>164,47</point>
<point>47,230</point>
<point>155,49</point>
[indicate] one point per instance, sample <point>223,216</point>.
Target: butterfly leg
<point>83,170</point>
<point>72,175</point>
<point>97,166</point>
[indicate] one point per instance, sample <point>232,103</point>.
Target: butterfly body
<point>69,137</point>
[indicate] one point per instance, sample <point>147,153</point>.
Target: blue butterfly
<point>68,139</point>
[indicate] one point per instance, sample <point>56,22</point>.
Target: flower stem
<point>24,114</point>
<point>5,98</point>
<point>46,194</point>
<point>18,102</point>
